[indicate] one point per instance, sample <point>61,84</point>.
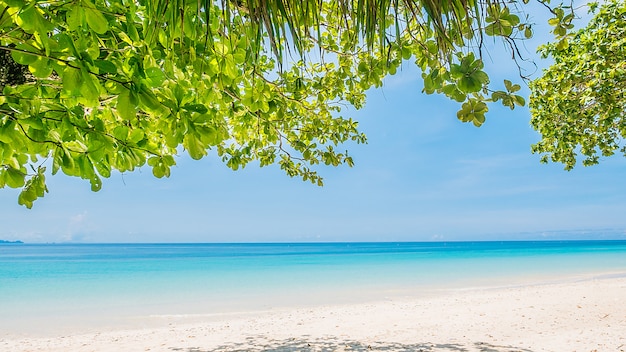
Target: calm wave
<point>129,281</point>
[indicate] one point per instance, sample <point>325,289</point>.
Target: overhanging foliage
<point>118,84</point>
<point>579,103</point>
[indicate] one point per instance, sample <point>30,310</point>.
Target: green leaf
<point>363,67</point>
<point>150,101</point>
<point>240,56</point>
<point>528,33</point>
<point>32,21</point>
<point>155,77</point>
<point>72,79</point>
<point>194,146</point>
<point>481,76</point>
<point>131,30</point>
<point>103,166</point>
<point>473,111</point>
<point>14,178</point>
<point>41,67</point>
<point>136,136</point>
<point>562,44</point>
<point>121,132</point>
<point>67,163</point>
<point>479,119</point>
<point>96,183</point>
<point>160,167</point>
<point>125,106</point>
<point>469,84</point>
<point>89,88</point>
<point>75,17</point>
<point>196,108</point>
<point>96,21</point>
<point>76,146</point>
<point>161,171</point>
<point>105,66</point>
<point>497,95</point>
<point>456,71</point>
<point>21,54</point>
<point>26,198</point>
<point>15,3</point>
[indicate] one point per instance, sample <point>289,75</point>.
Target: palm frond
<point>290,21</point>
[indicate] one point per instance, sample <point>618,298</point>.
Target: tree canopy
<point>117,84</point>
<point>579,103</point>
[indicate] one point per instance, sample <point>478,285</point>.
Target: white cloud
<point>78,228</point>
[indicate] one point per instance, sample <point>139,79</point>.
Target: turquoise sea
<point>51,287</point>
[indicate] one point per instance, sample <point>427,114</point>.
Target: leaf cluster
<point>122,84</point>
<point>578,105</point>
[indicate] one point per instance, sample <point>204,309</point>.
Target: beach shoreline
<point>584,314</point>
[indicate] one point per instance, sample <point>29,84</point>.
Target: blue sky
<point>422,176</point>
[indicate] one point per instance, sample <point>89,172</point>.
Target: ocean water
<point>64,287</point>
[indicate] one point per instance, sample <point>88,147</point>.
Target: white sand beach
<point>579,315</point>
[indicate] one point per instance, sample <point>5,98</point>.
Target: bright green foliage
<point>579,104</point>
<point>119,84</point>
<point>501,21</point>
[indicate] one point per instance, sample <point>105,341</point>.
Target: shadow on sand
<point>338,345</point>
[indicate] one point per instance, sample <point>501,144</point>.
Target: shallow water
<point>48,288</point>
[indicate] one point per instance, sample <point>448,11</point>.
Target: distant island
<point>10,242</point>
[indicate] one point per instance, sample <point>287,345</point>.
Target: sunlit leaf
<point>95,20</point>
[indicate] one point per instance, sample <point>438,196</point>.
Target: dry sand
<point>587,315</point>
